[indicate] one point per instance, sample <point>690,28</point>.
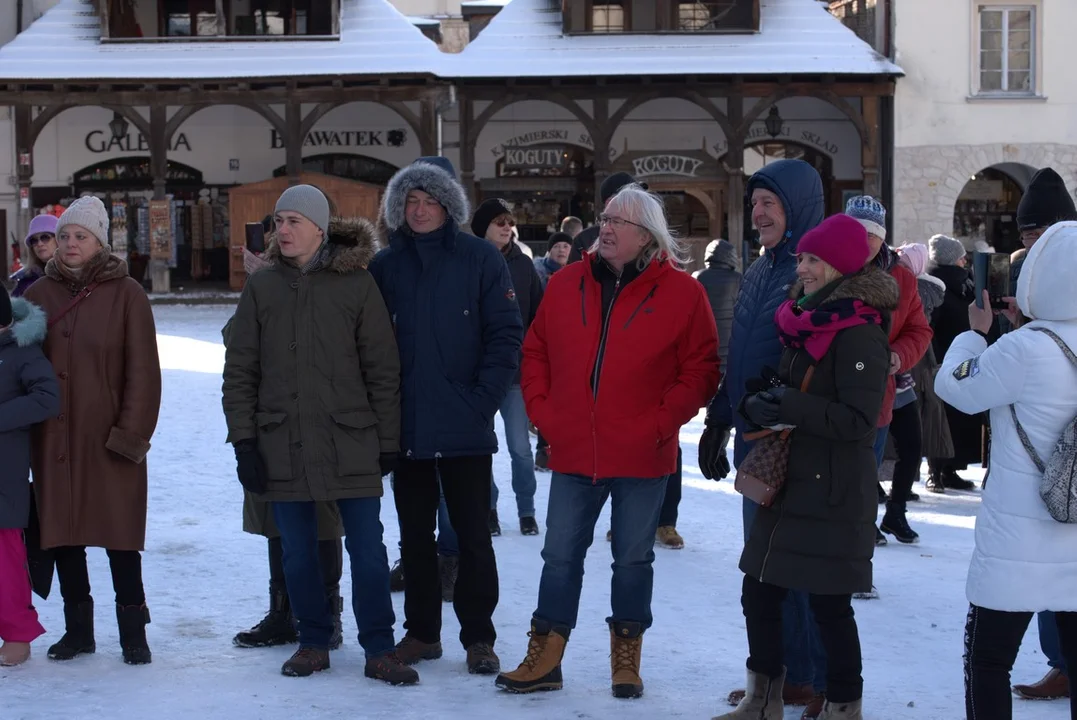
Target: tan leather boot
<point>1054,685</point>
<point>762,699</point>
<point>541,668</point>
<point>626,647</point>
<point>843,711</point>
<point>14,653</point>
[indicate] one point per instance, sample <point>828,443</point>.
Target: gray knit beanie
<point>309,202</point>
<point>945,250</point>
<point>88,212</point>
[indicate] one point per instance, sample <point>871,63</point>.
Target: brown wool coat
<point>89,462</point>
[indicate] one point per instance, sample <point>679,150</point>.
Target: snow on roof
<point>65,45</point>
<point>796,37</point>
<point>484,3</point>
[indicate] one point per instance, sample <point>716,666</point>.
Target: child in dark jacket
<point>29,394</point>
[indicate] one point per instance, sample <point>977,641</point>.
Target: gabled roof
<point>65,45</point>
<point>796,37</point>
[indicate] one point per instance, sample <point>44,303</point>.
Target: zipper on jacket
<point>640,306</point>
<point>602,340</point>
<point>583,302</point>
<point>770,543</point>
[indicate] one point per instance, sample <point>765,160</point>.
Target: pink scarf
<point>814,329</point>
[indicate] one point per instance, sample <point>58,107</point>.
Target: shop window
<point>608,17</point>
<point>189,18</point>
<point>1006,62</point>
<point>717,16</point>
<point>284,17</point>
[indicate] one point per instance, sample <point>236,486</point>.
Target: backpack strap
<point>1013,409</point>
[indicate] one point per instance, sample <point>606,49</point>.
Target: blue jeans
<point>371,601</point>
<point>448,545</point>
<point>1049,642</point>
<point>514,416</point>
<point>881,436</point>
<point>802,646</point>
<point>575,504</point>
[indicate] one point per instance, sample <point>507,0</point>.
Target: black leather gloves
<point>250,467</point>
<point>389,462</point>
<point>763,408</point>
<point>712,452</point>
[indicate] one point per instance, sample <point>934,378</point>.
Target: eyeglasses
<point>502,222</point>
<point>41,238</point>
<point>1032,235</point>
<point>617,222</point>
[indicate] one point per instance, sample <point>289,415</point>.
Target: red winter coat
<point>659,367</point>
<point>910,334</point>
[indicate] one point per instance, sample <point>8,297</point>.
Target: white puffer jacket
<point>1024,560</point>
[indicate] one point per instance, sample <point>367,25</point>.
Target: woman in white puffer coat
<point>1024,560</point>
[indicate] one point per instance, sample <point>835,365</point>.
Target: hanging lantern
<point>774,122</point>
<point>118,125</point>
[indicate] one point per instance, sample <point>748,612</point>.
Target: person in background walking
<point>786,200</point>
<point>40,247</point>
<point>653,354</point>
<point>493,221</point>
<point>558,248</point>
<point>29,394</point>
<point>1046,201</point>
<point>1023,559</point>
<point>948,257</point>
<point>817,536</point>
<point>722,280</point>
<point>459,329</point>
<point>89,462</point>
<point>585,240</point>
<point>572,226</point>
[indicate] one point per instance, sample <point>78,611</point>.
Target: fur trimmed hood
<point>871,286</point>
<point>354,242</point>
<point>431,178</point>
<point>29,325</point>
<point>102,267</point>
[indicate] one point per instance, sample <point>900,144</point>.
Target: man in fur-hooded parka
<point>456,318</point>
<point>322,409</point>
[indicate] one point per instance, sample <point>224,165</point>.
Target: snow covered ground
<point>205,580</point>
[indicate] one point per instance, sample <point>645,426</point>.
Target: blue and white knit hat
<point>870,212</point>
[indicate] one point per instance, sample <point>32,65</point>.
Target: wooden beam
<point>160,278</point>
<point>870,147</point>
<point>222,19</point>
<point>187,96</point>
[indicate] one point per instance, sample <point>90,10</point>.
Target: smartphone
<point>991,272</point>
<point>256,237</point>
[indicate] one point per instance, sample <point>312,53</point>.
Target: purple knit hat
<point>839,241</point>
<point>41,224</point>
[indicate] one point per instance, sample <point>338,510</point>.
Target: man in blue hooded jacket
<point>786,199</point>
<point>459,331</point>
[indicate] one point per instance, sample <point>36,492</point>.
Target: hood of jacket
<point>29,325</point>
<point>872,286</point>
<point>721,253</point>
<point>102,267</point>
<point>1045,286</point>
<point>956,279</point>
<point>433,179</point>
<point>353,240</point>
<point>798,185</point>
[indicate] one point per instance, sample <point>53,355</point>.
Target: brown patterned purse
<point>763,471</point>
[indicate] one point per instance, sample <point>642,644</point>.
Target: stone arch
<point>479,123</point>
<point>696,98</point>
<point>826,96</point>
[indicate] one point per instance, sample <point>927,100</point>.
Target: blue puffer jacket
<point>459,330</point>
<point>753,342</point>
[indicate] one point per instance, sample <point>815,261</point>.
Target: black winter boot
<point>278,626</point>
<point>894,523</point>
<point>448,571</point>
<point>336,608</point>
<point>78,632</point>
<point>133,620</point>
<point>331,560</point>
<point>396,577</point>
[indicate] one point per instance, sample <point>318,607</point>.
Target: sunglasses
<point>502,222</point>
<point>42,238</point>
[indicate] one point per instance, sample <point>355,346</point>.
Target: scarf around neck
<point>812,322</point>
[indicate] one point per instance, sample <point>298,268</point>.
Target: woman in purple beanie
<point>41,246</point>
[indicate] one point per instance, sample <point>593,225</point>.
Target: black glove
<point>250,467</point>
<point>763,408</point>
<point>389,462</point>
<point>712,458</point>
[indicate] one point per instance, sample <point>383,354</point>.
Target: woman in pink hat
<point>41,244</point>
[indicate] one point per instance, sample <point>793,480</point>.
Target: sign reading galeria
<point>101,141</point>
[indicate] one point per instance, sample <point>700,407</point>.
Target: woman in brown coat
<point>89,462</point>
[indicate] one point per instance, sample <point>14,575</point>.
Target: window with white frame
<point>1007,59</point>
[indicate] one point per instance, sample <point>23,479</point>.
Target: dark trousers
<point>908,440</point>
<point>330,559</point>
<point>465,482</point>
<point>762,605</point>
<point>126,566</point>
<point>672,501</point>
<point>992,639</point>
<point>371,600</point>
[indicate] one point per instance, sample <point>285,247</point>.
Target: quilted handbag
<point>763,471</point>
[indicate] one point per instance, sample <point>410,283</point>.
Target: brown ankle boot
<point>626,646</point>
<point>411,650</point>
<point>1053,686</point>
<point>541,668</point>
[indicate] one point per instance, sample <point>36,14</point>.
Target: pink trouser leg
<point>18,619</point>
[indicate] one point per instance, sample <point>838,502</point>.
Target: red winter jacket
<point>659,367</point>
<point>910,334</point>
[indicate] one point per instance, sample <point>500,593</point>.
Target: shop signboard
<point>542,158</point>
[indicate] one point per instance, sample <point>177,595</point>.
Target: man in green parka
<point>312,403</point>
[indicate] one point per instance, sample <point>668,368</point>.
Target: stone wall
<point>928,179</point>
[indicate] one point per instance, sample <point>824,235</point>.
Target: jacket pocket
<point>275,444</point>
<point>355,438</point>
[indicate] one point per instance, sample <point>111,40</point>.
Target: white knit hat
<point>90,213</point>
